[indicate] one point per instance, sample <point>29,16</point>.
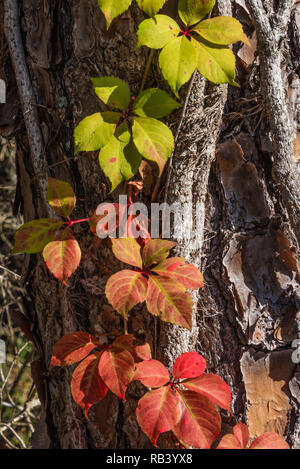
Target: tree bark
<point>248,315</point>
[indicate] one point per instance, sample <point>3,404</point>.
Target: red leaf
<point>156,250</point>
<point>189,365</point>
<point>137,228</point>
<point>152,373</point>
<point>87,386</point>
<point>117,369</point>
<point>127,250</point>
<point>241,433</point>
<point>200,422</point>
<point>33,236</point>
<point>157,412</point>
<point>269,440</point>
<point>229,441</point>
<point>72,348</point>
<point>125,289</point>
<point>143,352</point>
<point>169,300</point>
<point>213,387</point>
<point>62,256</point>
<point>61,197</point>
<point>186,274</point>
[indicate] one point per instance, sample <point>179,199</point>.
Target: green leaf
<point>61,197</point>
<point>157,32</point>
<point>217,63</point>
<point>192,11</point>
<point>178,61</point>
<point>151,7</point>
<point>154,103</point>
<point>94,131</point>
<point>113,8</point>
<point>221,30</point>
<point>153,139</point>
<point>119,159</point>
<point>112,91</point>
<point>33,236</point>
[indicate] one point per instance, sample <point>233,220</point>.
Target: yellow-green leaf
<point>177,61</point>
<point>112,91</point>
<point>217,64</point>
<point>113,8</point>
<point>157,32</point>
<point>33,236</point>
<point>153,139</point>
<point>221,30</point>
<point>61,197</point>
<point>192,11</point>
<point>94,131</point>
<point>154,103</point>
<point>151,7</point>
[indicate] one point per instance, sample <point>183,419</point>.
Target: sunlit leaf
<point>229,441</point>
<point>241,433</point>
<point>269,440</point>
<point>143,351</point>
<point>112,91</point>
<point>154,102</point>
<point>221,30</point>
<point>157,412</point>
<point>125,289</point>
<point>152,373</point>
<point>192,11</point>
<point>116,368</point>
<point>177,61</point>
<point>151,7</point>
<point>189,365</point>
<point>153,139</point>
<point>33,236</point>
<point>156,250</point>
<point>87,386</point>
<point>62,256</point>
<point>127,250</point>
<point>61,197</point>
<point>169,301</point>
<point>186,274</point>
<point>95,131</point>
<point>72,348</point>
<point>113,8</point>
<point>213,387</point>
<point>157,32</point>
<point>200,422</point>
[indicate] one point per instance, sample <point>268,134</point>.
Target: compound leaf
<point>113,8</point>
<point>153,139</point>
<point>192,11</point>
<point>61,197</point>
<point>154,103</point>
<point>157,32</point>
<point>157,412</point>
<point>95,131</point>
<point>33,236</point>
<point>177,61</point>
<point>189,365</point>
<point>152,373</point>
<point>72,348</point>
<point>116,368</point>
<point>221,30</point>
<point>112,91</point>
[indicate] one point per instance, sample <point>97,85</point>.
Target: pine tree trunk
<point>246,243</point>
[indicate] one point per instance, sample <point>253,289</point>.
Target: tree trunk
<point>247,195</point>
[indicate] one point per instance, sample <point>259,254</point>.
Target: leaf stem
<point>150,57</point>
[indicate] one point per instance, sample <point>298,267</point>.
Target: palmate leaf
<point>156,250</point>
<point>213,387</point>
<point>72,348</point>
<point>61,197</point>
<point>113,8</point>
<point>125,289</point>
<point>154,102</point>
<point>87,385</point>
<point>157,32</point>
<point>151,7</point>
<point>186,274</point>
<point>200,422</point>
<point>116,368</point>
<point>216,63</point>
<point>157,412</point>
<point>221,30</point>
<point>177,61</point>
<point>192,11</point>
<point>112,91</point>
<point>33,236</point>
<point>240,438</point>
<point>151,373</point>
<point>95,131</point>
<point>153,139</point>
<point>62,256</point>
<point>169,301</point>
<point>189,365</point>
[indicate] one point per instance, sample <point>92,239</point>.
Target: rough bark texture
<point>249,313</point>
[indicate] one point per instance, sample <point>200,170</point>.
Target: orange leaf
<point>61,197</point>
<point>241,432</point>
<point>143,351</point>
<point>72,348</point>
<point>269,440</point>
<point>116,369</point>
<point>127,250</point>
<point>152,373</point>
<point>186,274</point>
<point>189,365</point>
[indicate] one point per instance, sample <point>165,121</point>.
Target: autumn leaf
<point>61,197</point>
<point>151,373</point>
<point>186,274</point>
<point>213,387</point>
<point>72,348</point>
<point>116,368</point>
<point>156,250</point>
<point>33,236</point>
<point>189,365</point>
